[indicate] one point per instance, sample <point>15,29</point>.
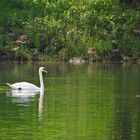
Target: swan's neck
<point>41,80</point>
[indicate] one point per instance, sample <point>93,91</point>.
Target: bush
<point>75,25</point>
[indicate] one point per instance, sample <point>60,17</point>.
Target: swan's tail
<point>9,85</point>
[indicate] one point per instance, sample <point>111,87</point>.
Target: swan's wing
<point>23,85</point>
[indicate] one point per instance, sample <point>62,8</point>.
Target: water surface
<point>81,102</point>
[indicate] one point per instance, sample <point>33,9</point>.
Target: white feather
<point>29,86</point>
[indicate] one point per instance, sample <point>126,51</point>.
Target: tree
<point>129,2</point>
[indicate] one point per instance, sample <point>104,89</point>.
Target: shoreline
<point>72,60</point>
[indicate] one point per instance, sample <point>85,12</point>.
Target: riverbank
<point>33,55</point>
<point>90,31</point>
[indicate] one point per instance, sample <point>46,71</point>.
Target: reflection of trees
<point>126,118</point>
<point>80,104</point>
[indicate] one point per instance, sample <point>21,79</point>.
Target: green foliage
<point>74,25</point>
<point>110,23</point>
<point>80,25</point>
<point>130,45</point>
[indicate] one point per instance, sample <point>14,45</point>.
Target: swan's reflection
<point>23,93</point>
<point>40,105</point>
<point>24,97</point>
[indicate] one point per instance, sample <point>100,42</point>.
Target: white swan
<point>29,86</point>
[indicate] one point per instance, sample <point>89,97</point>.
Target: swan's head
<point>42,69</point>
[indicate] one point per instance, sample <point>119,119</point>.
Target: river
<point>80,102</point>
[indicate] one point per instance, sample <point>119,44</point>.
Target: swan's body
<point>29,86</point>
<point>23,86</point>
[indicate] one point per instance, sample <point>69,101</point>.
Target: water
<point>81,102</point>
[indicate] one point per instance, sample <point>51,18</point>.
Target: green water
<point>80,102</point>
